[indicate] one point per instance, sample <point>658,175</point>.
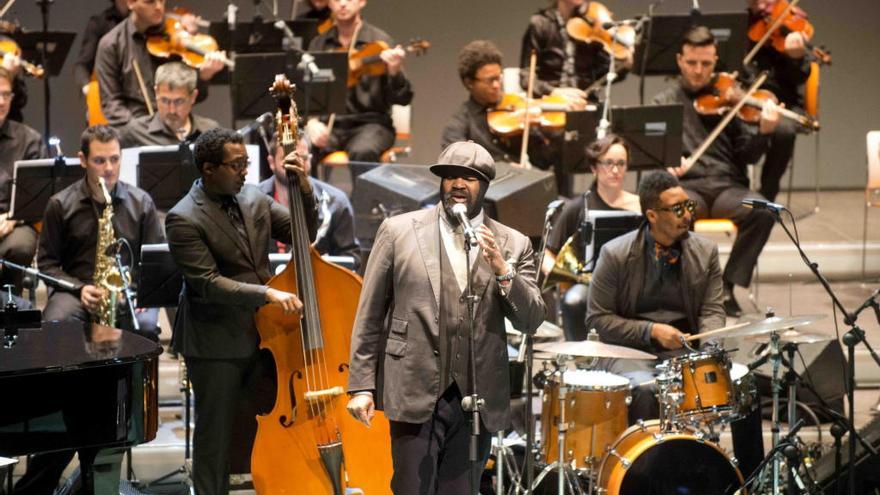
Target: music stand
<point>606,226</point>
<point>159,279</point>
<point>254,74</point>
<point>263,37</point>
<point>653,134</point>
<point>35,181</point>
<point>166,174</point>
<point>730,31</point>
<point>57,46</point>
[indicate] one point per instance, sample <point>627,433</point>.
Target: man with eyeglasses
<point>67,251</point>
<point>18,242</point>
<point>718,180</point>
<point>654,286</point>
<point>219,235</point>
<point>176,93</point>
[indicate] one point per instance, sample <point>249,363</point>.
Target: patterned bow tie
<point>667,256</point>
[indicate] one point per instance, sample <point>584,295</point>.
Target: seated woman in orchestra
<point>608,159</point>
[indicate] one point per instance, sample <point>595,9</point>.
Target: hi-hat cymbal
<point>547,330</point>
<point>767,325</point>
<point>593,348</point>
<point>794,337</point>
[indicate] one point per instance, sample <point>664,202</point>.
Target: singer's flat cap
<point>465,158</point>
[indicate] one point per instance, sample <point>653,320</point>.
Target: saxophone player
<point>70,240</point>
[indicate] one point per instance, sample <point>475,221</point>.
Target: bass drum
<point>646,461</point>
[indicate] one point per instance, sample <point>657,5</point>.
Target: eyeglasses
<point>609,164</point>
<point>488,80</point>
<point>678,208</point>
<point>238,165</point>
<point>6,95</point>
<point>169,102</point>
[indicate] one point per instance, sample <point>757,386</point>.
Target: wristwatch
<point>511,272</point>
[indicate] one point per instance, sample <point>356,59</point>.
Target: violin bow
<point>524,150</point>
<point>691,160</point>
<point>770,31</point>
<point>142,86</point>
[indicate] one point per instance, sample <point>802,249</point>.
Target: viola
<point>509,117</point>
<point>8,45</point>
<point>725,93</point>
<point>367,62</point>
<point>589,28</point>
<point>174,40</point>
<point>787,20</point>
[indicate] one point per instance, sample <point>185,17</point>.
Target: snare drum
<point>595,413</point>
<point>706,388</point>
<point>647,460</point>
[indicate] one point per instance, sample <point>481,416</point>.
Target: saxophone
<point>107,276</point>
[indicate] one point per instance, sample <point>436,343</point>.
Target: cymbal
<point>767,325</point>
<point>547,330</point>
<point>794,337</point>
<point>593,348</point>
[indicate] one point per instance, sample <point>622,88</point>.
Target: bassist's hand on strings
<point>289,303</point>
<point>361,406</point>
<point>298,164</point>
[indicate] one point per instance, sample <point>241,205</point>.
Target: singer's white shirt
<point>453,241</point>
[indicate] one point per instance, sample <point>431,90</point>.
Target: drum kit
<point>586,441</point>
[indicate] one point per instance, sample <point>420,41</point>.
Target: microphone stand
<point>851,339</point>
<point>44,54</point>
<point>472,402</point>
<point>48,279</point>
<point>124,273</point>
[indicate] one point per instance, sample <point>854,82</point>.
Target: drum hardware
<point>565,472</point>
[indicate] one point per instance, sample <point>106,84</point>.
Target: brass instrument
<point>107,276</point>
<point>568,267</point>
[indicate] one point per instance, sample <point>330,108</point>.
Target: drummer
<point>656,285</point>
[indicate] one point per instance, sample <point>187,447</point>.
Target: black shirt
<point>547,36</point>
<point>17,142</point>
<point>118,50</point>
<point>98,26</point>
<point>738,145</point>
<point>660,299</point>
<point>571,217</point>
<point>148,131</point>
<point>370,100</point>
<point>70,230</point>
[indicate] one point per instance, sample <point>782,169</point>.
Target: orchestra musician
<point>311,9</point>
<point>18,241</point>
<point>718,181</point>
<point>787,73</point>
<point>124,68</point>
<point>176,92</point>
<point>655,285</point>
<point>219,235</point>
<point>365,130</point>
<point>335,214</point>
<point>98,25</point>
<point>608,159</point>
<point>410,346</point>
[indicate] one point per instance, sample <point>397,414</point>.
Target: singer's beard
<point>474,204</point>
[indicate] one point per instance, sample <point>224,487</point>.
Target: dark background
<point>849,102</point>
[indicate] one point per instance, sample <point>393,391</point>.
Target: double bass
<point>308,443</point>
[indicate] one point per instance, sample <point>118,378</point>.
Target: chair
<point>872,188</point>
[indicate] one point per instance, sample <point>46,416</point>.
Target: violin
<point>509,117</point>
<point>589,28</point>
<point>8,45</point>
<point>780,20</point>
<point>367,62</point>
<point>177,41</point>
<point>724,95</point>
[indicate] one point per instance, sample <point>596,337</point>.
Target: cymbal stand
<point>565,473</point>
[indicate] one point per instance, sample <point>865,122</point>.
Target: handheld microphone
<point>260,121</point>
<point>460,212</point>
<point>762,204</point>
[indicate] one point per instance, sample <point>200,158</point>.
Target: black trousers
<point>18,247</point>
<point>228,394</point>
<point>718,197</point>
<point>67,306</point>
<point>778,156</point>
<point>432,457</point>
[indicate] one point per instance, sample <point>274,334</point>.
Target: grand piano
<point>70,385</point>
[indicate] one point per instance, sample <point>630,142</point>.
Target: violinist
<point>124,68</point>
<point>365,130</point>
<point>788,71</point>
<point>312,9</point>
<point>565,66</point>
<point>98,25</point>
<point>718,181</point>
<point>219,234</point>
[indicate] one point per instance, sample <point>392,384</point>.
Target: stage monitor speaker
<point>517,197</point>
